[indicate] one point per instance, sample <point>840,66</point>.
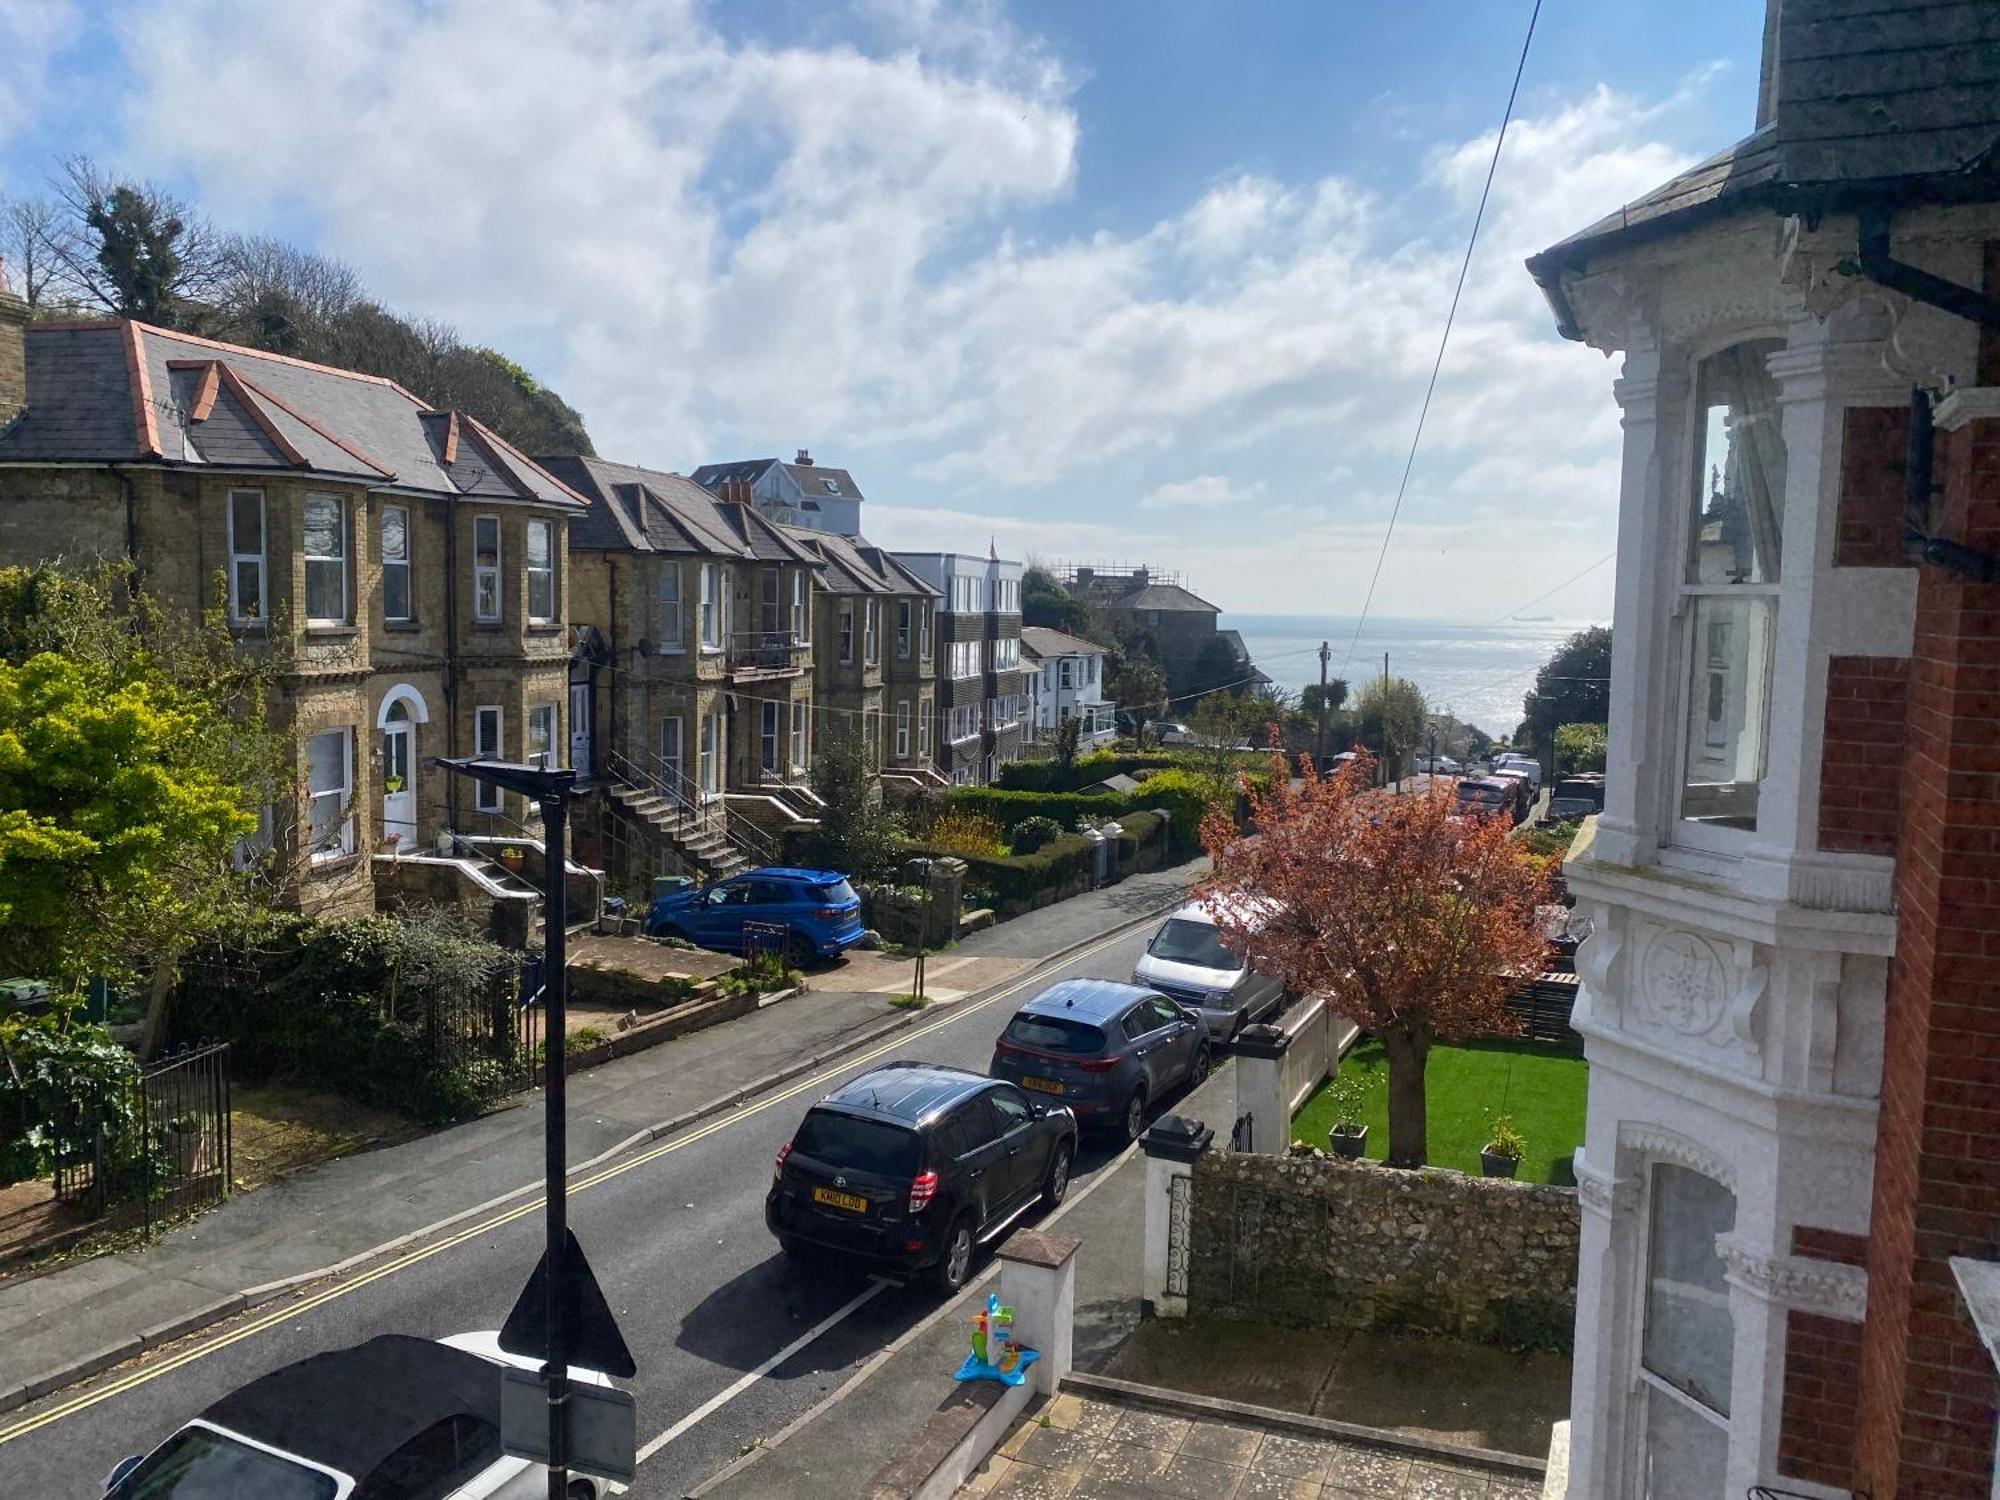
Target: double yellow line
<point>896,1043</point>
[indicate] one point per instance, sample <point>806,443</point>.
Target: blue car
<point>1109,1051</point>
<point>818,909</point>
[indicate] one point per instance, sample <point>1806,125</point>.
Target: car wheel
<point>954,1267</point>
<point>676,934</point>
<point>1198,1074</point>
<point>1134,1122</point>
<point>580,1489</point>
<point>1055,1186</point>
<point>800,952</point>
<point>793,1249</point>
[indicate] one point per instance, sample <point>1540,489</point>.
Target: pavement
<point>733,1344</point>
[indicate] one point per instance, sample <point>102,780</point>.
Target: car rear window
<point>1197,943</point>
<point>865,1145</point>
<point>837,894</point>
<point>1054,1034</point>
<point>196,1464</point>
<point>1490,795</point>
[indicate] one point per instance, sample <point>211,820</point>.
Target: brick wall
<point>1869,531</point>
<point>1862,759</point>
<point>1925,1422</point>
<point>1829,1244</point>
<point>1816,1428</point>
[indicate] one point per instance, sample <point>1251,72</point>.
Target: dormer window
<point>832,486</point>
<point>1728,597</point>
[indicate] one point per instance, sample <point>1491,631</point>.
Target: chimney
<point>13,355</point>
<point>1767,78</point>
<point>804,459</point>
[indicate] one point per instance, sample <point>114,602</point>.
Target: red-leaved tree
<point>1418,923</point>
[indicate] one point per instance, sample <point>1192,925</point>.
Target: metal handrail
<point>769,650</point>
<point>756,845</point>
<point>665,780</point>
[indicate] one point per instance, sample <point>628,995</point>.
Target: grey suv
<point>1107,1050</point>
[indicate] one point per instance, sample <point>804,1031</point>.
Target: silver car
<point>1186,961</point>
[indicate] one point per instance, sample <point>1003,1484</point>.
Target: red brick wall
<point>1816,1425</point>
<point>1829,1244</point>
<point>1861,763</point>
<point>1869,525</point>
<point>1925,1424</point>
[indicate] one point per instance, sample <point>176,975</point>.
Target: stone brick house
<point>408,567</point>
<point>877,674</point>
<point>982,684</point>
<point>1791,996</point>
<point>703,702</point>
<point>1157,612</point>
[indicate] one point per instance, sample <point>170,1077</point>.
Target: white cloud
<point>32,32</point>
<point>1203,492</point>
<point>715,247</point>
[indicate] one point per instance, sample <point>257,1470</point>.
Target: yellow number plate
<point>853,1202</point>
<point>1042,1085</point>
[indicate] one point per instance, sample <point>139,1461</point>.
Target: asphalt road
<point>675,1232</point>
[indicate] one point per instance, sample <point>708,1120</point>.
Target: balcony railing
<point>772,653</point>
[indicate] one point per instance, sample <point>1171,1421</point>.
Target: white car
<point>1186,961</point>
<point>1523,765</point>
<point>396,1415</point>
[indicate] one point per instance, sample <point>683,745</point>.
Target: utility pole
<point>1385,717</point>
<point>1319,742</point>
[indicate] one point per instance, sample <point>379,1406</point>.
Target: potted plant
<point>513,856</point>
<point>1502,1153</point>
<point>1349,1135</point>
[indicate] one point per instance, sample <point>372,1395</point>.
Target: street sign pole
<point>555,996</point>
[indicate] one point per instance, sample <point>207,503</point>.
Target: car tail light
<point>923,1188</point>
<point>826,912</point>
<point>778,1166</point>
<point>1097,1064</point>
<point>1003,1045</point>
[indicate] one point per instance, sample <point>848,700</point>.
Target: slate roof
<point>810,478</point>
<point>635,509</point>
<point>117,391</point>
<point>854,565</point>
<point>1165,596</point>
<point>1042,643</point>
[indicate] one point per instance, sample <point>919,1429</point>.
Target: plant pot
<point>1491,1164</point>
<point>1352,1144</point>
<point>513,859</point>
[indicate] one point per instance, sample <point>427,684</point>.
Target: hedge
<point>1047,776</point>
<point>1182,794</point>
<point>1021,877</point>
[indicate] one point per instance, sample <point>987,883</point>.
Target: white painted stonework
<point>1733,985</point>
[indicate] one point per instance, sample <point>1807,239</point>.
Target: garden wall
<point>1324,1243</point>
<point>1065,866</point>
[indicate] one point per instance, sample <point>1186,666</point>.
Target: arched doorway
<point>399,775</point>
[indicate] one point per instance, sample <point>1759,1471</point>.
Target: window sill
<point>249,627</point>
<point>671,651</point>
<point>402,627</point>
<point>334,864</point>
<point>545,627</point>
<point>316,630</point>
<point>489,627</point>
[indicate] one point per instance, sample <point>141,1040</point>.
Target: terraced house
<point>982,702</point>
<point>699,683</point>
<point>406,566</point>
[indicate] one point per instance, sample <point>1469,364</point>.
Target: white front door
<point>399,782</point>
<point>579,728</point>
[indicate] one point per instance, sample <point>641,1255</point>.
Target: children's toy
<point>995,1355</point>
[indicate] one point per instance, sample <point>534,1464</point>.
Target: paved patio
<point>1085,1448</point>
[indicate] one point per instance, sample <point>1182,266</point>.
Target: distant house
<point>1156,611</point>
<point>799,493</point>
<point>1068,683</point>
<point>982,683</point>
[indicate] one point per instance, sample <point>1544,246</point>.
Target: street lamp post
<point>551,788</point>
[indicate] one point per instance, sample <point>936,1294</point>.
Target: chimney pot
<point>805,458</point>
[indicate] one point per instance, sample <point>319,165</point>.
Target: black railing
<point>160,1138</point>
<point>766,651</point>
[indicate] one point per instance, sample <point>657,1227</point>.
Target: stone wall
<point>1319,1242</point>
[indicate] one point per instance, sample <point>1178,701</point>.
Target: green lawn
<point>1542,1088</point>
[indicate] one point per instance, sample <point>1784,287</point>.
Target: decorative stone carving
<point>1657,1143</point>
<point>1597,963</point>
<point>1746,1006</point>
<point>1682,982</point>
<point>1814,1286</point>
<point>1602,1193</point>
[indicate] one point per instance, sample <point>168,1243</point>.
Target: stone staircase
<point>702,843</point>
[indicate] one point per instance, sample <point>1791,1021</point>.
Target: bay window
<point>670,751</point>
<point>542,735</point>
<point>929,609</point>
<point>770,736</point>
<point>329,790</point>
<point>541,572</point>
<point>799,715</point>
<point>669,629</point>
<point>246,556</point>
<point>486,569</point>
<point>846,630</point>
<point>904,608</point>
<point>1689,1341</point>
<point>326,560</point>
<point>711,754</point>
<point>1729,593</point>
<point>873,651</point>
<point>924,727</point>
<point>801,621</point>
<point>711,607</point>
<point>903,730</point>
<point>396,601</point>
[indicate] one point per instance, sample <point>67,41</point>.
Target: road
<point>675,1232</point>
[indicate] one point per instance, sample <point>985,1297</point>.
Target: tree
<point>1217,668</point>
<point>1580,747</point>
<point>1139,687</point>
<point>1334,694</point>
<point>1393,716</point>
<point>1573,687</point>
<point>135,754</point>
<point>1045,602</point>
<point>1416,924</point>
<point>132,249</point>
<point>1068,736</point>
<point>27,265</point>
<point>857,835</point>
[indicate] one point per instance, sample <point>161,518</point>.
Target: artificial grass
<point>1542,1087</point>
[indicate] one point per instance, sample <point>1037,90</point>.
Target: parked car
<point>1493,796</point>
<point>1588,787</point>
<point>1526,765</point>
<point>1107,1050</point>
<point>1442,765</point>
<point>1569,809</point>
<point>817,908</point>
<point>1187,961</point>
<point>1173,732</point>
<point>911,1167</point>
<point>397,1415</point>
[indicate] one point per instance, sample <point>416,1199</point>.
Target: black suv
<point>912,1166</point>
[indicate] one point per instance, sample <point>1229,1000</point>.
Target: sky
<point>1132,280</point>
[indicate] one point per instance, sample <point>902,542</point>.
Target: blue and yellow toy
<point>995,1355</point>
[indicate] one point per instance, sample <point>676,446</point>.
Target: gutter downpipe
<point>451,668</point>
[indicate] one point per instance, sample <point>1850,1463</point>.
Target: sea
<point>1476,673</point>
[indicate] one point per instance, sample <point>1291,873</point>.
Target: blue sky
<point>1109,280</point>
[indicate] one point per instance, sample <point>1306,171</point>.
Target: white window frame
<point>801,716</point>
<point>770,605</point>
<point>924,728</point>
<point>905,627</point>
<point>544,573</point>
<point>343,843</point>
<point>671,627</point>
<point>343,559</point>
<point>240,558</point>
<point>801,613</point>
<point>486,576</point>
<point>678,760</point>
<point>902,729</point>
<point>710,755</point>
<point>770,738</point>
<point>409,576</point>
<point>929,609</point>
<point>871,634</point>
<point>846,629</point>
<point>486,797</point>
<point>1064,673</point>
<point>711,607</point>
<point>551,715</point>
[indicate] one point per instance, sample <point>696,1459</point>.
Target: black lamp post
<point>552,788</point>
